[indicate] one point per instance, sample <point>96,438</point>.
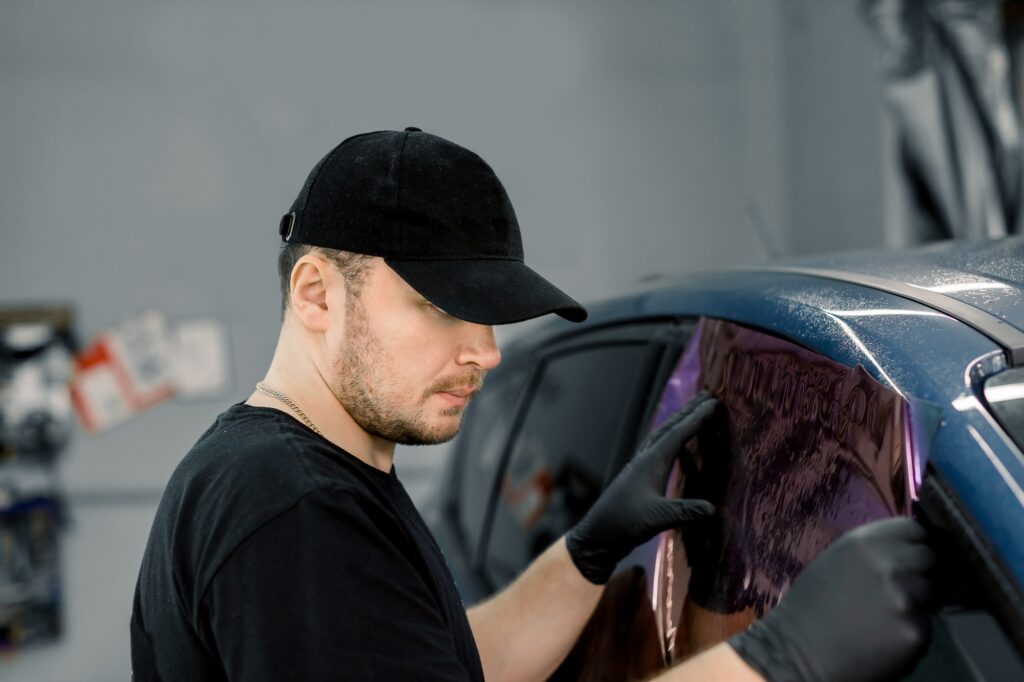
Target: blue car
<point>851,388</point>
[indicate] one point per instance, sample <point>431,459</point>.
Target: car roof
<point>887,322</point>
<point>979,282</point>
<point>987,274</point>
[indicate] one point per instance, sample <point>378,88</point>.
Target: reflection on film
<point>804,450</point>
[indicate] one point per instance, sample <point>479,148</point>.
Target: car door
<point>805,449</point>
<point>586,399</point>
<point>471,473</point>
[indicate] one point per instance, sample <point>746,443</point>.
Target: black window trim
<point>645,332</point>
<point>672,339</point>
<point>451,523</point>
<point>947,517</point>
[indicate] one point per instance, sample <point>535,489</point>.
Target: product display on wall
<point>30,580</point>
<point>47,382</point>
<point>144,361</point>
<point>36,419</point>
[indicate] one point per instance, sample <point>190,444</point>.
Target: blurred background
<point>148,150</point>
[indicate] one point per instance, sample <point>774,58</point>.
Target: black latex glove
<point>857,612</point>
<point>634,508</point>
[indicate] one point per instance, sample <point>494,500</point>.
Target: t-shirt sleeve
<point>325,591</point>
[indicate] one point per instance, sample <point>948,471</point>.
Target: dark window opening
<point>574,423</point>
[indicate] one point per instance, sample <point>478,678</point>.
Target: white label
<point>103,397</point>
<point>142,348</point>
<point>200,357</point>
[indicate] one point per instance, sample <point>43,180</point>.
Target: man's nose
<point>481,348</point>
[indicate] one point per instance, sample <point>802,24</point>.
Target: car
<point>852,387</point>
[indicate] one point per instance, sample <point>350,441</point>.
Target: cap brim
<point>487,291</point>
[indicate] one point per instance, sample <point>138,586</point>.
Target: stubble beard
<point>362,384</point>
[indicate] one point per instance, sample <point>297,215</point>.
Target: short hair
<point>352,267</point>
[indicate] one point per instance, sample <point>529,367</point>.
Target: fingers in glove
<point>671,514</point>
<point>918,558</point>
<point>918,590</point>
<point>900,529</point>
<point>692,510</point>
<point>663,446</point>
<point>693,414</point>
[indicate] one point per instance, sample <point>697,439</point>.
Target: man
<point>285,546</point>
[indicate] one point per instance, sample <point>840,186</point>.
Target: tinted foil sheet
<point>802,450</point>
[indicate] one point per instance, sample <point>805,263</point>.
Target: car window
<point>481,446</point>
<point>578,413</point>
<point>803,449</point>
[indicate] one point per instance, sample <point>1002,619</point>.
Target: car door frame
<point>664,338</point>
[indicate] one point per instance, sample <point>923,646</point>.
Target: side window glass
<point>482,444</point>
<point>803,449</point>
<point>558,460</point>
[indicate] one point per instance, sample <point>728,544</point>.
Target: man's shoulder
<point>242,452</point>
<point>251,466</point>
<point>263,459</point>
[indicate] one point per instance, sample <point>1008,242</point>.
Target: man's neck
<point>299,380</point>
<point>376,452</point>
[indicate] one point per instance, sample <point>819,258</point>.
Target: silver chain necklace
<point>288,401</point>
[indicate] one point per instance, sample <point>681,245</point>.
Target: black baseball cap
<point>439,217</point>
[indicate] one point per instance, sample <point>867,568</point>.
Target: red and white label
<point>123,372</point>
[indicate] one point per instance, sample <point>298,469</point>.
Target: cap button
<point>413,129</point>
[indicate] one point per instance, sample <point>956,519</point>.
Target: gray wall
<point>148,149</point>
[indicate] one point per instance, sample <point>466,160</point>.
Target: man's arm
<point>527,629</point>
<point>858,612</point>
<point>720,663</point>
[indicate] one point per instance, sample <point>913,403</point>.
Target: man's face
<point>403,369</point>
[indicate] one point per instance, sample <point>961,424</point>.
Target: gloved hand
<point>857,612</point>
<point>634,509</point>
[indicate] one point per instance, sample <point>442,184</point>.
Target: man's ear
<point>311,282</point>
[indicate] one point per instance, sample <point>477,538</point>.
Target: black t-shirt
<point>276,555</point>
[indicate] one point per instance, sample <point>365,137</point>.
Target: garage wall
<point>837,161</point>
<point>148,149</point>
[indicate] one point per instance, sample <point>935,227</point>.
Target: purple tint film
<point>804,450</point>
